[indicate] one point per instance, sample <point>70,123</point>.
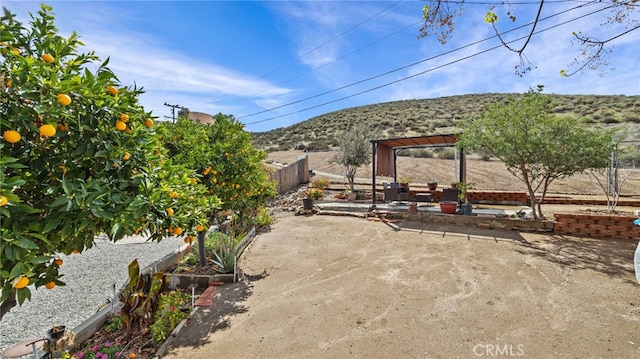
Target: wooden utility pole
<point>173,111</point>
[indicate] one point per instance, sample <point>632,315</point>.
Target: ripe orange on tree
<point>174,194</point>
<point>177,231</point>
<point>126,156</point>
<point>11,136</point>
<point>148,122</point>
<point>199,228</point>
<point>124,117</point>
<point>47,130</point>
<point>50,285</point>
<point>64,99</point>
<point>3,201</point>
<point>21,283</point>
<point>58,262</point>
<point>121,126</point>
<point>169,211</point>
<point>47,58</point>
<point>189,239</point>
<point>112,90</point>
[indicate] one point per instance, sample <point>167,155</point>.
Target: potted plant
<point>405,182</point>
<point>448,207</point>
<point>312,194</point>
<point>56,332</point>
<point>463,187</point>
<point>432,184</point>
<point>316,193</point>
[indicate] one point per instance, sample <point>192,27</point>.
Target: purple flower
<point>80,355</point>
<point>95,347</point>
<point>107,344</point>
<point>117,354</point>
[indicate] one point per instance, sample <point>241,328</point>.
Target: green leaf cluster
<point>536,146</point>
<point>231,168</point>
<point>88,178</point>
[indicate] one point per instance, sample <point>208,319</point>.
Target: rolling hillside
<point>440,115</point>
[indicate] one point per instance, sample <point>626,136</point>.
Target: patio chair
<point>395,194</point>
<point>450,195</point>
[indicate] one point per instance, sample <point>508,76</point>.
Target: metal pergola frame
<point>397,144</point>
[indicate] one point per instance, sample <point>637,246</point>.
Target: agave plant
<point>225,256</point>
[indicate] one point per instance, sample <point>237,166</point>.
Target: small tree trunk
<point>202,258</point>
<point>9,303</point>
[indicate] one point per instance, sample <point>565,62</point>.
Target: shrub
<point>320,183</point>
<point>316,193</point>
<point>172,308</point>
<point>106,350</point>
<point>447,154</point>
<point>263,217</point>
<point>423,153</point>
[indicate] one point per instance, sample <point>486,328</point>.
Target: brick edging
<point>596,226</point>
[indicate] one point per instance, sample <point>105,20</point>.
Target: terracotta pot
<point>432,186</point>
<point>413,207</point>
<point>448,207</point>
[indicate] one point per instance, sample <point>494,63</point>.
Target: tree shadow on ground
<point>463,231</point>
<point>228,301</point>
<point>612,257</point>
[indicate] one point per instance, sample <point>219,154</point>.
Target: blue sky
<point>275,63</point>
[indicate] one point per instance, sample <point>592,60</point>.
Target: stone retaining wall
<point>580,225</point>
<point>473,221</point>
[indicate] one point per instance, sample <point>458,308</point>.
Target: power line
<point>328,42</point>
<point>407,66</point>
<point>354,51</point>
<point>420,73</point>
<point>351,29</point>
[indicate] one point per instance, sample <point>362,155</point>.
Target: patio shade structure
<point>385,154</point>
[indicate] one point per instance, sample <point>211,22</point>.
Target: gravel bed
<point>90,277</point>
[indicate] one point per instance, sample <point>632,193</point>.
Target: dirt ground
<point>343,287</point>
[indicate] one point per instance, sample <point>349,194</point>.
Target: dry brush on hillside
<point>440,115</point>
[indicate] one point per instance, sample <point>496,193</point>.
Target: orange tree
<point>80,157</point>
<point>232,169</point>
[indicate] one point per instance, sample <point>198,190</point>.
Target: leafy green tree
<point>229,166</point>
<point>536,147</point>
<point>80,157</point>
<point>355,150</point>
